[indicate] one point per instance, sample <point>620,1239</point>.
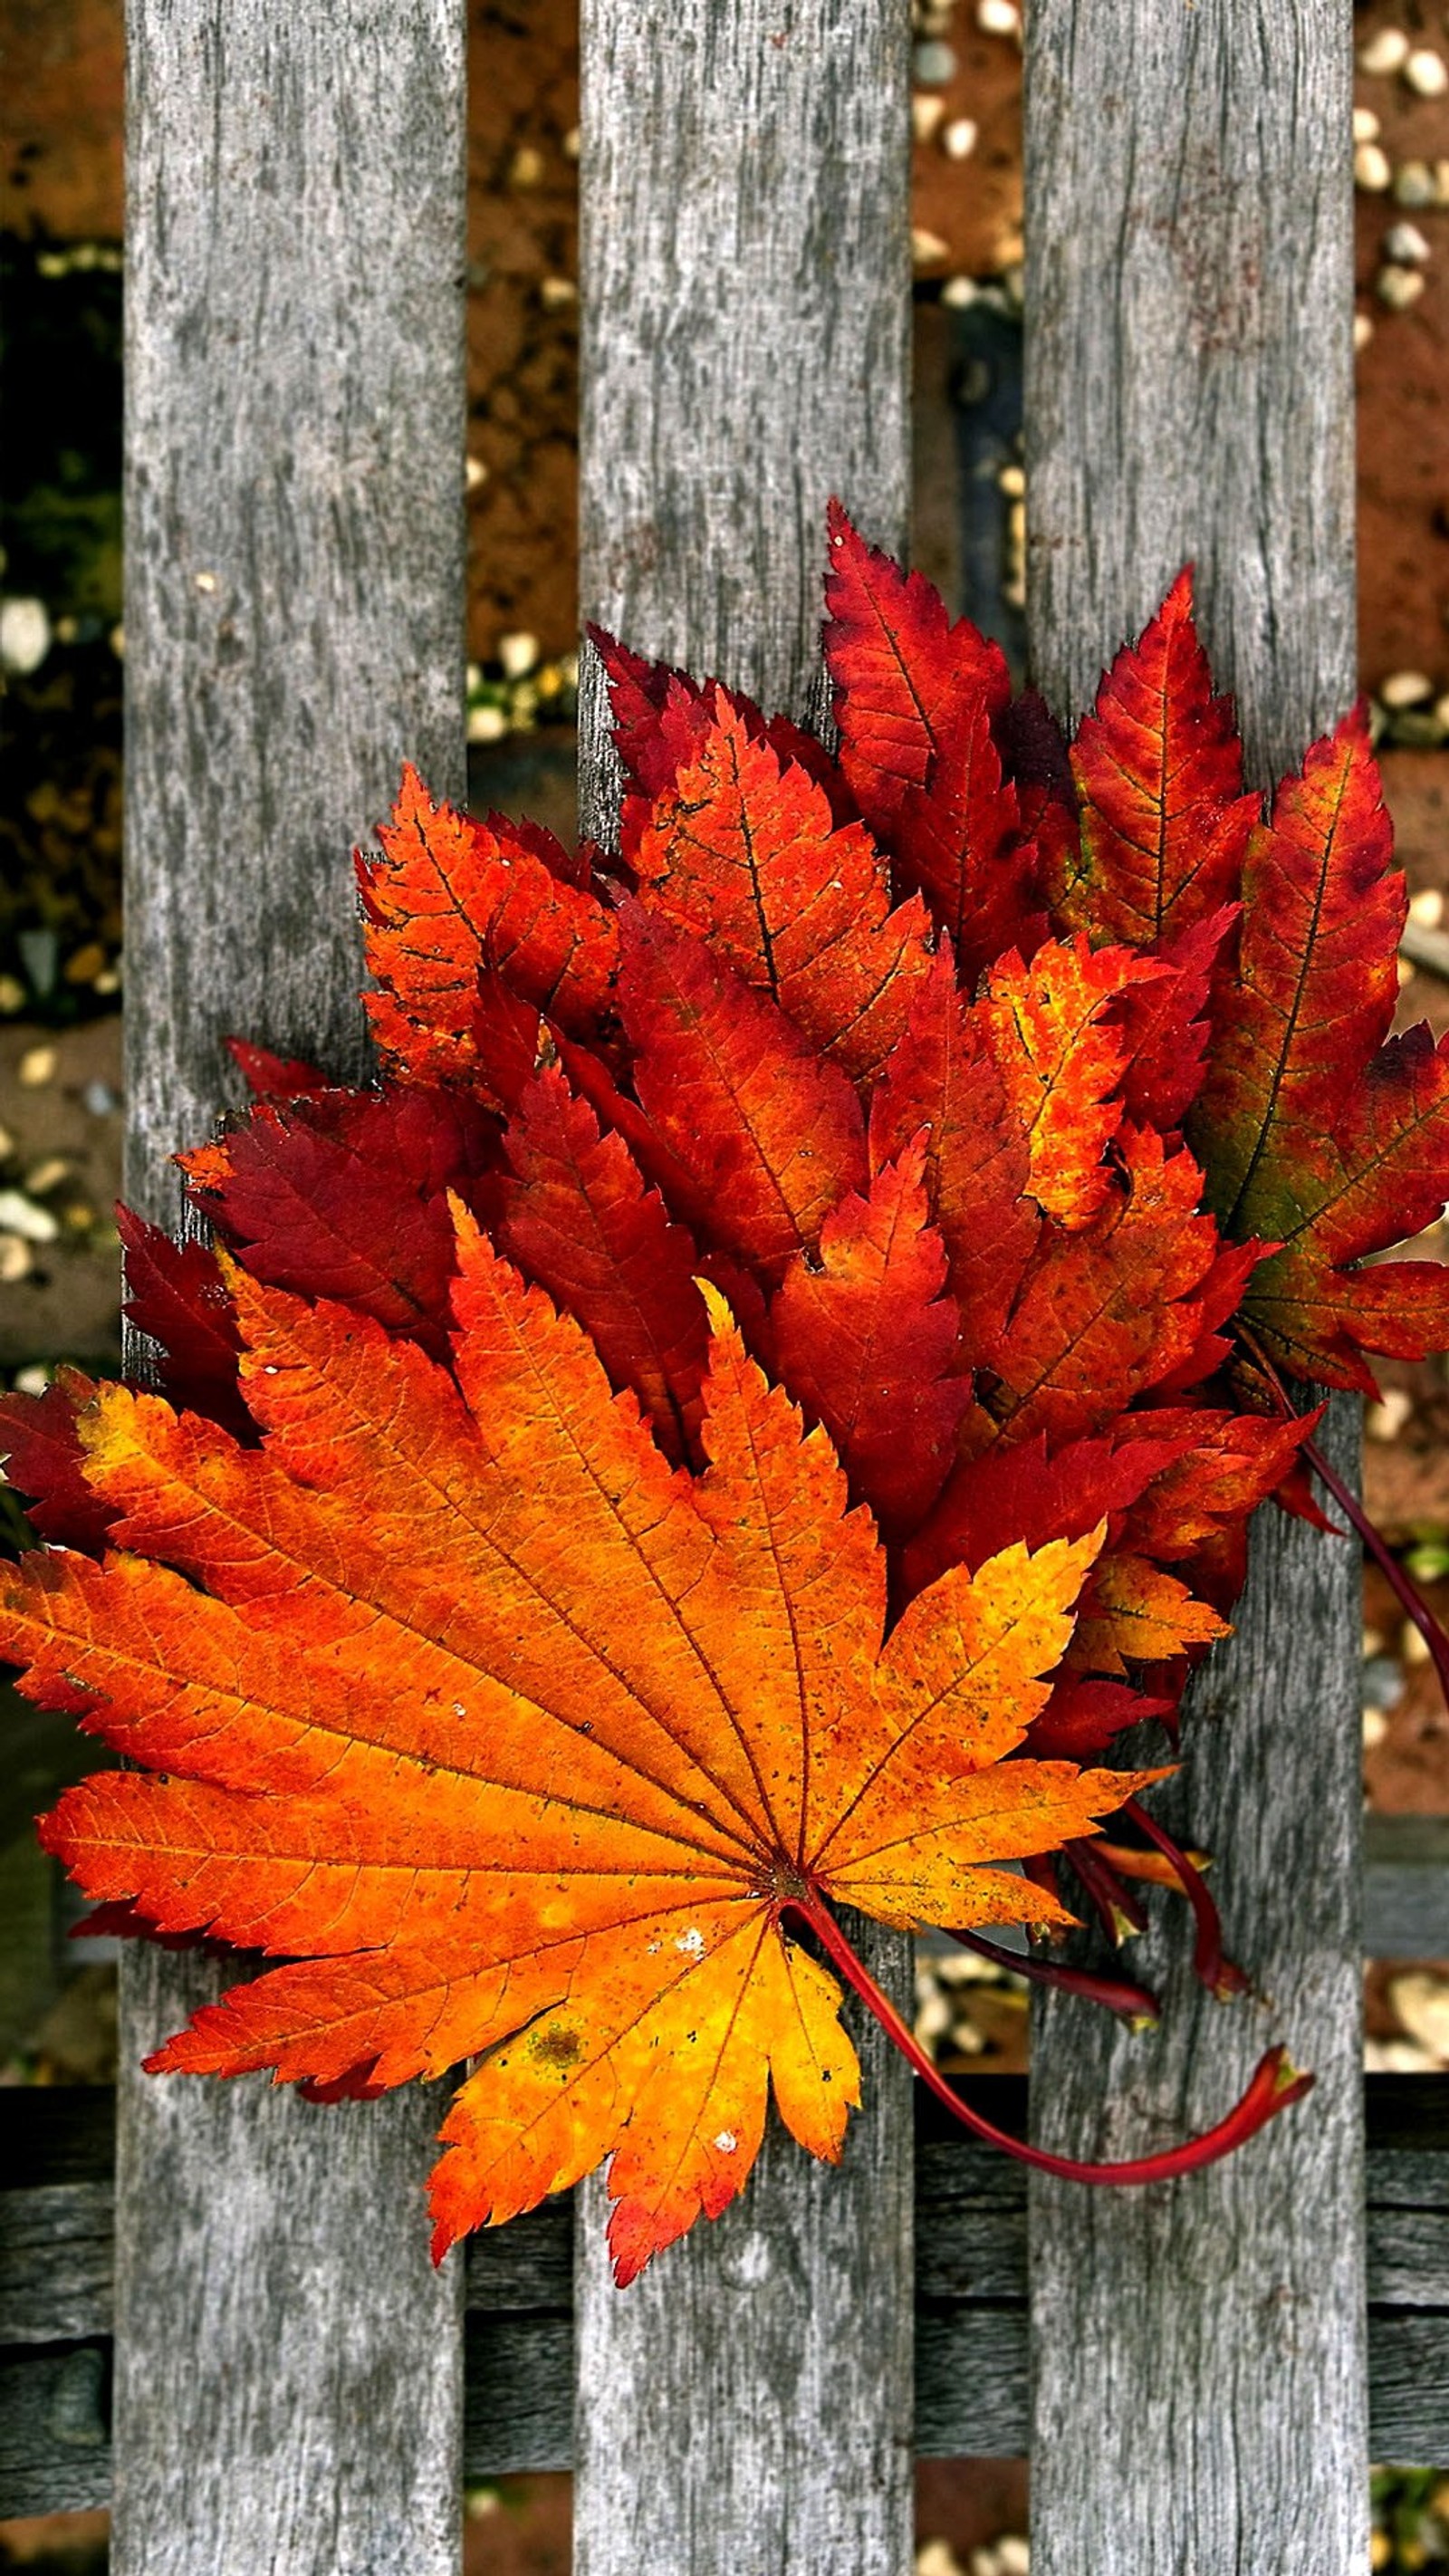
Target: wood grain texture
<point>745,284</point>
<point>1406,1887</point>
<point>1200,2390</point>
<point>970,2304</point>
<point>294,617</point>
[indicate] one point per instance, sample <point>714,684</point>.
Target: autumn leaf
<point>579,1219</point>
<point>345,1195</point>
<point>902,670</point>
<point>1060,1061</point>
<point>743,851</point>
<point>456,909</point>
<point>943,1077</point>
<point>518,1745</point>
<point>1159,767</point>
<point>1313,1131</point>
<point>765,1136</point>
<point>868,1344</point>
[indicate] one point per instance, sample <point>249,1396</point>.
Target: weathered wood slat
<point>970,2305</point>
<point>1406,1887</point>
<point>294,552</point>
<point>745,293</point>
<point>1199,2376</point>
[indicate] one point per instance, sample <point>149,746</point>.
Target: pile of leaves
<point>772,1382</point>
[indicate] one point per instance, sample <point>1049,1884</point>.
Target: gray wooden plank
<point>1188,395</point>
<point>1406,1887</point>
<point>55,2450</point>
<point>294,622</point>
<point>970,2302</point>
<point>745,294</point>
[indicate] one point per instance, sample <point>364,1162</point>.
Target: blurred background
<point>62,656</point>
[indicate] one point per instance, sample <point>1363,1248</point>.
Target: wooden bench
<point>295,2389</point>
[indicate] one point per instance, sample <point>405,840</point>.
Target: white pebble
<point>1365,125</point>
<point>1427,73</point>
<point>1406,689</point>
<point>960,138</point>
<point>24,635</point>
<point>1372,168</point>
<point>958,292</point>
<point>33,1380</point>
<point>1413,1648</point>
<point>1388,51</point>
<point>937,2558</point>
<point>1441,718</point>
<point>36,1068</point>
<point>999,18</point>
<point>1013,2557</point>
<point>934,64</point>
<point>46,1175</point>
<point>1421,2001</point>
<point>1405,242</point>
<point>555,294</point>
<point>926,115</point>
<point>1415,184</point>
<point>486,724</point>
<point>1375,1728</point>
<point>518,654</point>
<point>14,1259</point>
<point>1012,481</point>
<point>475,473</point>
<point>927,248</point>
<point>1399,287</point>
<point>1386,1419</point>
<point>570,144</point>
<point>100,1100</point>
<point>1363,330</point>
<point>1427,906</point>
<point>20,1215</point>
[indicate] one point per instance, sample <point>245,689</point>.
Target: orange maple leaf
<point>519,1744</point>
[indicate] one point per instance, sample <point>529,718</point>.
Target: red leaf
<point>942,1076</point>
<point>959,840</point>
<point>902,672</point>
<point>1225,1465</point>
<point>1159,765</point>
<point>1317,986</point>
<point>176,1293</point>
<point>347,1197</point>
<point>865,1340</point>
<point>1083,1717</point>
<point>1109,1311</point>
<point>1061,1059</point>
<point>448,901</point>
<point>275,1077</point>
<point>1166,1026</point>
<point>579,1220</point>
<point>769,1137</point>
<point>661,717</point>
<point>44,1462</point>
<point>742,850</point>
<point>1015,1492</point>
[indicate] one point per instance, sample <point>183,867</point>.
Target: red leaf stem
<point>1276,2082</point>
<point>1132,2004</point>
<point>1217,1973</point>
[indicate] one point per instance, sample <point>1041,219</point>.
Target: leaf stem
<point>1276,2082</point>
<point>1132,2004</point>
<point>1405,1591</point>
<point>1120,1913</point>
<point>1217,1973</point>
